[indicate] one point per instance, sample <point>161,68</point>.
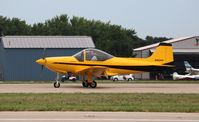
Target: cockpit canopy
<point>92,55</point>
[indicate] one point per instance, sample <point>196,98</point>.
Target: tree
<point>152,40</point>
<point>111,38</point>
<point>14,26</point>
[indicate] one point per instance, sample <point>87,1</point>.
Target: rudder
<point>163,54</point>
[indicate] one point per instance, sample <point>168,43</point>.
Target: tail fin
<point>187,65</point>
<point>163,54</point>
<point>175,73</point>
<point>175,76</point>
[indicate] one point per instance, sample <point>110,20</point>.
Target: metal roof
<point>47,42</point>
<point>182,50</point>
<point>168,41</point>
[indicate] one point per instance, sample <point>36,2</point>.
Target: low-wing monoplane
<point>177,76</point>
<point>93,62</point>
<point>190,69</point>
<point>192,73</point>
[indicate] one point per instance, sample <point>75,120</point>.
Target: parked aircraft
<point>190,69</point>
<point>176,76</point>
<point>94,62</point>
<point>193,74</point>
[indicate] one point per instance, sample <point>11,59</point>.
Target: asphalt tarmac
<point>101,88</point>
<point>97,117</point>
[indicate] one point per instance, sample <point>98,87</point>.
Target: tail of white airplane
<point>187,66</point>
<point>163,54</point>
<point>175,76</point>
<point>175,73</point>
<point>190,69</point>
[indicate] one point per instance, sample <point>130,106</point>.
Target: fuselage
<point>112,66</point>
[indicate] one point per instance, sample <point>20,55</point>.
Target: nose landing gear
<point>57,83</point>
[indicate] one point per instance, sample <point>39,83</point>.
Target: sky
<point>159,18</point>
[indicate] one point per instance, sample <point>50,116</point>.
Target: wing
<point>193,71</point>
<point>96,70</point>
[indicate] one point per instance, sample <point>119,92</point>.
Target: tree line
<point>111,38</point>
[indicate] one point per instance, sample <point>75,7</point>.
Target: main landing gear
<point>89,81</point>
<point>86,84</point>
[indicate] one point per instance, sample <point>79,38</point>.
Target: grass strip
<point>129,102</point>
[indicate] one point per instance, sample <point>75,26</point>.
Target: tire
<point>93,84</point>
<point>85,84</point>
<point>56,84</point>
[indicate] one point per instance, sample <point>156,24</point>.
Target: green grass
<point>99,102</point>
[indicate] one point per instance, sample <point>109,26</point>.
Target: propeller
<point>44,54</point>
<point>42,61</point>
<point>42,68</point>
<point>44,58</point>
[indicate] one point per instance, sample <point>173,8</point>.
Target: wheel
<point>130,79</point>
<point>85,84</point>
<point>115,79</point>
<point>93,84</point>
<point>56,84</point>
<point>62,79</point>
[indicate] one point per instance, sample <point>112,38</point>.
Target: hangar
<point>185,48</point>
<point>18,54</point>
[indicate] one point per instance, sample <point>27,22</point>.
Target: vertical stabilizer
<point>187,65</point>
<point>163,54</point>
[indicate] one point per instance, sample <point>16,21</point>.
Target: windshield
<point>79,56</point>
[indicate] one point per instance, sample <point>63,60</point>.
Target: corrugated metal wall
<point>20,63</point>
<point>1,60</point>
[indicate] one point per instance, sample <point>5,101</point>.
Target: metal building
<point>185,48</point>
<point>18,54</point>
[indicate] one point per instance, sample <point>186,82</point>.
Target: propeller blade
<point>42,68</point>
<point>43,57</point>
<point>44,53</point>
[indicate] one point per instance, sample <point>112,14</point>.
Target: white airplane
<point>176,76</point>
<point>190,69</point>
<point>193,74</point>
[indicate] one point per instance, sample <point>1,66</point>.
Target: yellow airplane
<point>93,62</point>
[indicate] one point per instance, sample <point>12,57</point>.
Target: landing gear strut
<point>89,81</point>
<point>57,83</point>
